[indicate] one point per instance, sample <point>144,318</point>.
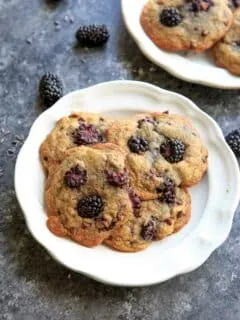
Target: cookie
<point>75,130</point>
<point>226,52</point>
<point>155,220</point>
<point>160,145</point>
<point>85,196</point>
<point>178,25</point>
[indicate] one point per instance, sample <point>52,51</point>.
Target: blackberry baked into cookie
<point>85,197</point>
<point>160,145</point>
<point>77,129</point>
<point>178,25</point>
<point>153,220</point>
<point>227,51</point>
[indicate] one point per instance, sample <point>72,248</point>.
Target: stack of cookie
<point>122,183</point>
<point>196,25</point>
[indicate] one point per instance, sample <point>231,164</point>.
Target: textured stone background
<point>35,37</point>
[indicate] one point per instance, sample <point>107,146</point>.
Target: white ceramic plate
<point>198,68</point>
<point>214,199</point>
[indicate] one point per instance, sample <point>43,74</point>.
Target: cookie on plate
<point>227,51</point>
<point>75,130</point>
<point>178,25</point>
<point>85,196</point>
<point>160,145</point>
<point>154,220</point>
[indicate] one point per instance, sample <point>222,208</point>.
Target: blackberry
<point>50,89</point>
<point>200,5</point>
<point>75,177</point>
<point>173,150</point>
<point>167,191</point>
<point>92,35</point>
<point>117,179</point>
<point>135,199</point>
<point>170,17</point>
<point>233,139</point>
<point>148,231</point>
<point>86,134</point>
<point>138,144</point>
<point>90,206</point>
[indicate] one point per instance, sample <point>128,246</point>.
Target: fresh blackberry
<point>86,134</point>
<point>50,89</point>
<point>115,178</point>
<point>173,150</point>
<point>170,17</point>
<point>92,35</point>
<point>148,231</point>
<point>138,144</point>
<point>75,177</point>
<point>90,206</point>
<point>167,191</point>
<point>233,139</point>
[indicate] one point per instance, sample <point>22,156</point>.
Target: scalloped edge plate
<point>214,199</point>
<point>196,68</point>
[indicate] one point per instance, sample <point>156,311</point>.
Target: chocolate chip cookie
<point>160,145</point>
<point>153,220</point>
<point>78,129</point>
<point>87,195</point>
<point>178,25</point>
<point>227,51</point>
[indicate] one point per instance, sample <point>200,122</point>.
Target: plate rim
<point>170,67</point>
<point>212,246</point>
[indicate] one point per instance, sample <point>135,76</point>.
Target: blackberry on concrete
<point>50,89</point>
<point>92,35</point>
<point>233,139</point>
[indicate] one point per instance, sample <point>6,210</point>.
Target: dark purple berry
<point>135,199</point>
<point>50,89</point>
<point>173,150</point>
<point>75,177</point>
<point>144,121</point>
<point>138,144</point>
<point>117,179</point>
<point>234,3</point>
<point>86,134</point>
<point>148,231</point>
<point>200,5</point>
<point>233,139</point>
<point>167,191</point>
<point>90,207</point>
<point>170,17</point>
<point>92,35</point>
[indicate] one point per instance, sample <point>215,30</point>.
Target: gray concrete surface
<point>36,37</point>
